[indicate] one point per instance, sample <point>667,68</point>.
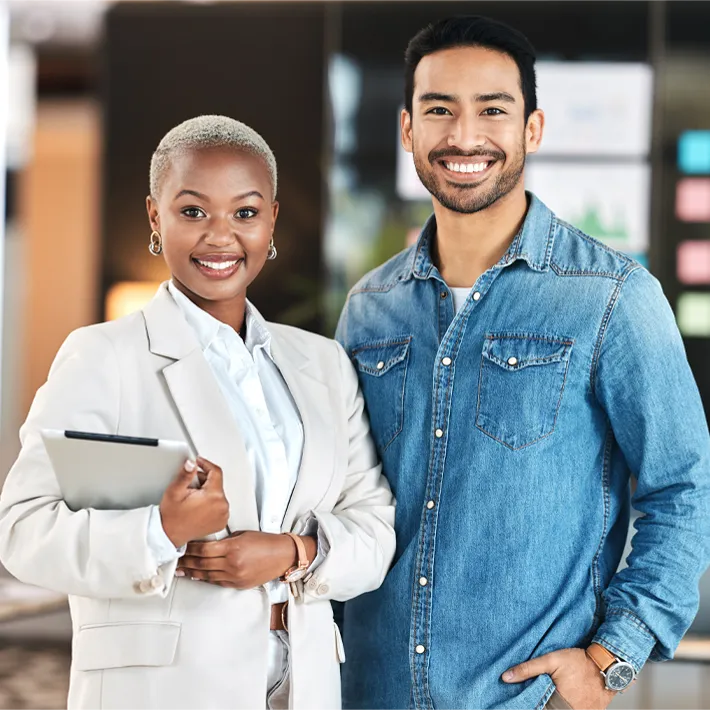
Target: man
<point>517,374</point>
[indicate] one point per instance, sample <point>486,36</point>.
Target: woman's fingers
<point>213,473</point>
<point>189,562</point>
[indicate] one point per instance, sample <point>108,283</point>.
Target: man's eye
<point>246,213</point>
<point>493,112</point>
<point>193,212</point>
<point>439,111</point>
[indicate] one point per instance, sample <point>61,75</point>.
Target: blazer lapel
<point>202,406</point>
<point>312,398</point>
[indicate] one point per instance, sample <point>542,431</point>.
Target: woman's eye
<point>246,213</point>
<point>193,212</point>
<point>439,111</point>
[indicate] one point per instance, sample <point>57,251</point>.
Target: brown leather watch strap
<point>301,549</point>
<point>602,658</point>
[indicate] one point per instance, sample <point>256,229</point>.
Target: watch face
<point>294,575</point>
<point>619,676</point>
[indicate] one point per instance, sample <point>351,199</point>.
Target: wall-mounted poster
<point>609,202</point>
<point>599,109</point>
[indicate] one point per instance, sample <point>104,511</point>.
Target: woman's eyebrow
<point>194,193</point>
<point>251,193</point>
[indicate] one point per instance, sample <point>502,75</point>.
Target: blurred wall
<point>59,210</point>
<point>51,254</point>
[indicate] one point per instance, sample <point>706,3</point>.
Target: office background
<point>93,85</point>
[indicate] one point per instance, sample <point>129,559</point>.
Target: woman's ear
<point>274,214</point>
<point>153,216</point>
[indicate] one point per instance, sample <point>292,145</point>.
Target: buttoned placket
<point>452,329</point>
<point>243,369</point>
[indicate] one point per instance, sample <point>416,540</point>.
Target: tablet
<point>111,472</point>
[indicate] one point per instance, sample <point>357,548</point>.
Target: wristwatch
<point>293,574</point>
<point>618,674</point>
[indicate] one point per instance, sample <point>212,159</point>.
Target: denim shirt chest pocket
<point>382,370</point>
<point>521,382</point>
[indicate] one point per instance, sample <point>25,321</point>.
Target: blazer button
<point>323,589</point>
<point>143,586</point>
<point>156,582</point>
<point>311,584</point>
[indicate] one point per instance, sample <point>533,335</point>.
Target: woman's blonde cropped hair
<point>209,132</point>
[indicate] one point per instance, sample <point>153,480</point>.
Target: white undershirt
<point>459,295</point>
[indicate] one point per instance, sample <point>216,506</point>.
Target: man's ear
<point>534,130</point>
<point>405,122</point>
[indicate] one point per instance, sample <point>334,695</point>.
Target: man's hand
<point>188,513</point>
<point>576,676</point>
<point>244,560</point>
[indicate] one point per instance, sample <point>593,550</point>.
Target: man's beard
<point>456,196</point>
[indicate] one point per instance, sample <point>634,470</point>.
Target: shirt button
<point>443,294</point>
<point>477,296</point>
<point>430,504</point>
<point>423,581</point>
<point>156,582</point>
<point>323,589</point>
<point>512,361</point>
<point>446,361</point>
<point>380,365</point>
<point>312,584</point>
<point>420,649</point>
<point>439,433</point>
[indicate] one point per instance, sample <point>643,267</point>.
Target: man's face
<point>467,129</point>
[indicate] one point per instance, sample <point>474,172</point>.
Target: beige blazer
<point>143,638</point>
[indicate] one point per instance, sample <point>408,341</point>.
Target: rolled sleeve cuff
<point>311,528</point>
<point>626,636</point>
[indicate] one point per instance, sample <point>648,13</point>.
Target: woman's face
<point>216,216</point>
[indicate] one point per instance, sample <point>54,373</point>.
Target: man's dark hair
<point>472,31</point>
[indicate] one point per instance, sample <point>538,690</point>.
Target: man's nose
<point>466,134</point>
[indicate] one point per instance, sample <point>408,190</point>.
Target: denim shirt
<point>509,432</point>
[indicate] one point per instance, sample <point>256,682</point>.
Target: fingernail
<point>508,675</point>
<point>179,573</point>
<point>189,465</point>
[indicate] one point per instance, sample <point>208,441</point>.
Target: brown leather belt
<point>279,617</point>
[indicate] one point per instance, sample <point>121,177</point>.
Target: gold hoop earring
<point>272,253</point>
<point>156,244</point>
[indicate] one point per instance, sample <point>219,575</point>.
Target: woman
<point>295,479</point>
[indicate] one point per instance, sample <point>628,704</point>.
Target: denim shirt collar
<point>532,243</point>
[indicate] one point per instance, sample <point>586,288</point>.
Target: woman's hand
<point>244,560</point>
<point>189,513</point>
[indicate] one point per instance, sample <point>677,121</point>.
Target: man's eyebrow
<point>495,96</point>
<point>436,96</point>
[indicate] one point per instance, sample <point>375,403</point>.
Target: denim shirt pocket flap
<point>515,352</point>
<point>379,358</point>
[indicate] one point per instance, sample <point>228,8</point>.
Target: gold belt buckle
<point>283,616</point>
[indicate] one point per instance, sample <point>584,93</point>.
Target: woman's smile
<point>219,265</point>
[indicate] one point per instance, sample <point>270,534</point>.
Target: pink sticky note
<point>692,200</point>
<point>693,262</point>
